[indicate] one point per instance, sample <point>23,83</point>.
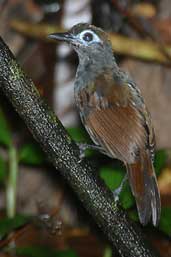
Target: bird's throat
<point>90,67</point>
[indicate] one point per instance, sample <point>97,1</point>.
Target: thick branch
<point>64,154</point>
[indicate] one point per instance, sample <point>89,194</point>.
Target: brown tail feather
<point>144,187</point>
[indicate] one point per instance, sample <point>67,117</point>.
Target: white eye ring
<point>90,33</point>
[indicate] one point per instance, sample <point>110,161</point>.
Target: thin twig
<point>11,185</point>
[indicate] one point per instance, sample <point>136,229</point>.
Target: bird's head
<point>86,39</point>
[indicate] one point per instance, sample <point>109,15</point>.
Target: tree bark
<point>64,155</point>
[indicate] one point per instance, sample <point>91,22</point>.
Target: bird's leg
<point>118,190</point>
<point>83,147</point>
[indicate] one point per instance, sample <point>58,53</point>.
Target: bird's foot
<point>83,147</point>
<point>117,191</point>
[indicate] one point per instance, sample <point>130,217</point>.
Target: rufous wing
<point>121,131</point>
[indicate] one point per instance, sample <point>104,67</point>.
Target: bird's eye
<point>88,37</point>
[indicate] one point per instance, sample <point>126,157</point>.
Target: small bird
<point>113,111</point>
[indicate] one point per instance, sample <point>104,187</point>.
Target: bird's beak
<point>66,36</point>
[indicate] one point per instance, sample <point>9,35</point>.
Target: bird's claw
<point>116,194</point>
<point>117,191</point>
<point>82,148</point>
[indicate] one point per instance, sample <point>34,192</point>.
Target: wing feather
<point>119,130</point>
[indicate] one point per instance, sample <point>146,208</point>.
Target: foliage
<point>43,252</point>
<point>31,154</point>
<point>113,179</point>
<point>5,133</point>
<point>160,160</point>
<point>165,221</point>
<point>78,134</point>
<point>7,225</point>
<point>2,170</point>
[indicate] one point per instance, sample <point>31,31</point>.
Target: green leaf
<point>5,133</point>
<point>160,160</point>
<point>31,154</point>
<point>113,179</point>
<point>42,251</point>
<point>126,197</point>
<point>2,169</point>
<point>107,252</point>
<point>133,215</point>
<point>165,221</point>
<point>7,225</point>
<point>78,134</point>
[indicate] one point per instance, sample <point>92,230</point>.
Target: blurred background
<point>40,216</point>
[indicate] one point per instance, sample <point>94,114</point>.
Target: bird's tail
<point>144,187</point>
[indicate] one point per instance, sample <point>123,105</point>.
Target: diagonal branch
<point>64,155</point>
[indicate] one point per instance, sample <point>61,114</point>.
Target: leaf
<point>7,224</point>
<point>113,179</point>
<point>165,220</point>
<point>133,215</point>
<point>160,160</point>
<point>43,251</point>
<point>2,169</point>
<point>31,154</point>
<point>107,252</point>
<point>78,134</point>
<point>5,133</point>
<point>126,197</point>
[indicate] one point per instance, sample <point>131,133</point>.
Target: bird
<point>114,114</point>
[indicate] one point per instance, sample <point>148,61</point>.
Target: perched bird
<point>114,114</point>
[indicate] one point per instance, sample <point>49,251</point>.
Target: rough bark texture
<point>64,155</point>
